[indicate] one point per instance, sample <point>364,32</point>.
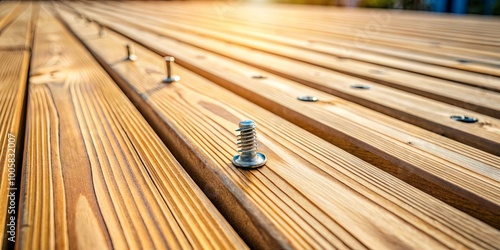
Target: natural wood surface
<point>392,145</point>
<point>431,115</point>
<point>202,20</point>
<point>351,204</point>
<point>14,63</point>
<point>8,11</point>
<point>210,23</point>
<point>477,100</point>
<point>18,34</point>
<point>95,175</point>
<point>12,93</point>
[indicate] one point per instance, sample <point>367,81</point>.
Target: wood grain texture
<point>95,175</point>
<point>423,112</point>
<point>13,76</point>
<point>309,195</point>
<point>427,161</point>
<point>203,22</point>
<point>17,36</point>
<point>185,18</point>
<point>12,94</point>
<point>8,12</point>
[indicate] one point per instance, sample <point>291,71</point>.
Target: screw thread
<point>247,140</point>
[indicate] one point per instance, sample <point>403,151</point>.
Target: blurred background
<point>481,7</point>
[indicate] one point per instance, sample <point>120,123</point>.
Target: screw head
<point>360,86</point>
<point>258,161</point>
<point>308,98</point>
<point>171,79</point>
<point>463,118</point>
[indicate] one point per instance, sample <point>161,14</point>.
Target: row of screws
<point>131,56</point>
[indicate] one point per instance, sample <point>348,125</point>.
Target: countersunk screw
<point>247,142</point>
<point>131,52</point>
<point>170,78</point>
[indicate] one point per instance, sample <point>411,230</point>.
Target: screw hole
<point>463,61</point>
<point>376,71</point>
<point>463,118</point>
<point>360,86</point>
<point>308,98</point>
<point>259,77</point>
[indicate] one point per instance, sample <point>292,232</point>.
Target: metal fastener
<point>131,52</point>
<point>360,86</point>
<point>259,77</point>
<point>463,118</point>
<point>308,98</point>
<point>170,78</point>
<point>248,156</point>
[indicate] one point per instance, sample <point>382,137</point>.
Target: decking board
<point>196,118</point>
<point>95,175</point>
<point>401,144</point>
<point>13,77</point>
<point>431,115</point>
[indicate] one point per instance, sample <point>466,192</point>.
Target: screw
<point>131,52</point>
<point>463,118</point>
<point>247,142</point>
<point>308,98</point>
<point>360,86</point>
<point>170,78</point>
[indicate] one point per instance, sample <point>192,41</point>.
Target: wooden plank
<point>352,204</point>
<point>9,11</point>
<point>341,60</point>
<point>369,25</point>
<point>13,77</point>
<point>339,48</point>
<point>95,174</point>
<point>394,146</point>
<point>12,94</point>
<point>18,34</point>
<point>423,112</point>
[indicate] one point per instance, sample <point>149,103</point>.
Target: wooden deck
<point>101,154</point>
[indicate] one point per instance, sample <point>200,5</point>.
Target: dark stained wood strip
<point>341,209</point>
<point>95,174</point>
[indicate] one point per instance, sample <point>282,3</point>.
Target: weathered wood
<point>197,118</point>
<point>95,175</point>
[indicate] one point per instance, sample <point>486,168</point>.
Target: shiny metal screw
<point>131,52</point>
<point>247,142</point>
<point>170,78</point>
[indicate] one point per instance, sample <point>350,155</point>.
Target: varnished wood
<point>346,125</point>
<point>13,75</point>
<point>431,115</point>
<point>95,175</point>
<point>188,19</point>
<point>17,36</point>
<point>196,118</point>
